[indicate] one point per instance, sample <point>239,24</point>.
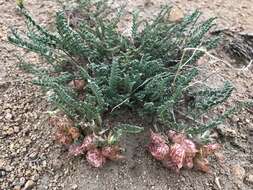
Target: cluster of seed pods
<point>176,151</point>
<point>67,134</point>
<point>96,156</point>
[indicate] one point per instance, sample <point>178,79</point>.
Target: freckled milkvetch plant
<point>95,71</point>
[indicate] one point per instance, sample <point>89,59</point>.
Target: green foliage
<point>132,129</point>
<point>148,72</point>
<point>208,98</point>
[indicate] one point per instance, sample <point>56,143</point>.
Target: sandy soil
<point>29,159</point>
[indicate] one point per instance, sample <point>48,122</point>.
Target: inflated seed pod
<point>95,158</point>
<point>112,153</point>
<point>74,132</point>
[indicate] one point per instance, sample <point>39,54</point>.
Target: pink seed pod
<point>188,162</point>
<point>160,151</point>
<point>112,153</point>
<point>63,138</point>
<point>170,165</point>
<point>95,158</point>
<point>75,150</point>
<point>190,148</point>
<point>74,132</point>
<point>177,155</point>
<point>190,153</point>
<point>158,147</point>
<point>176,137</point>
<point>201,164</point>
<point>89,143</point>
<point>209,149</point>
<point>62,123</point>
<point>156,138</point>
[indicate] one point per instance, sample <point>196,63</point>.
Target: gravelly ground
<point>30,159</point>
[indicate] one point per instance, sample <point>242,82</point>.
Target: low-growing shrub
<point>95,71</point>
